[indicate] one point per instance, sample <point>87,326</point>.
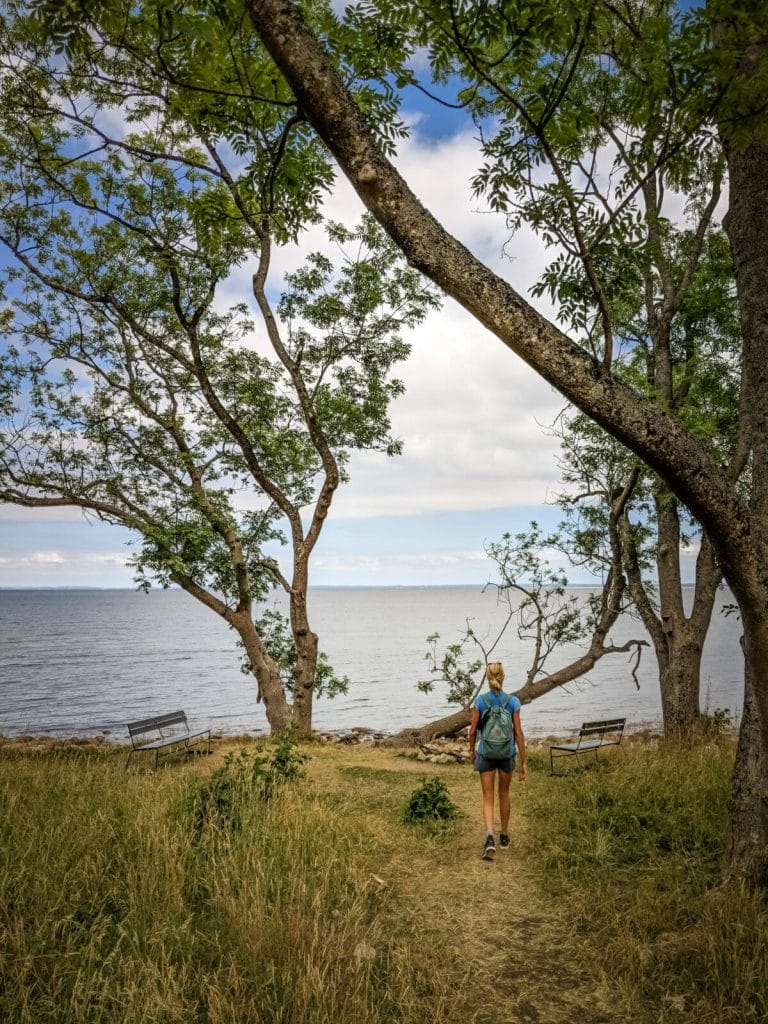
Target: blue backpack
<point>497,728</point>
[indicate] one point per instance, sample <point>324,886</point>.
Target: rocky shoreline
<point>440,750</point>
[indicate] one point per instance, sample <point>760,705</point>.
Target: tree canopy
<point>131,387</point>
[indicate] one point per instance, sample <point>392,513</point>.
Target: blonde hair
<point>495,675</point>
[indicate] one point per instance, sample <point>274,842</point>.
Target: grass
<point>321,904</point>
<point>634,846</point>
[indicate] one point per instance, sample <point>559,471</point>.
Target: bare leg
<point>504,780</point>
<point>486,781</point>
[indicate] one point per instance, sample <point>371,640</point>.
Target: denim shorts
<point>492,764</point>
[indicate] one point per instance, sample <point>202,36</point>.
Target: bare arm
<point>520,744</point>
<point>473,732</point>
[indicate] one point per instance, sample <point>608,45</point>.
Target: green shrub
<point>218,804</point>
<point>430,804</point>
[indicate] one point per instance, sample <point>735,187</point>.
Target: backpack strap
<point>486,699</point>
<point>489,702</point>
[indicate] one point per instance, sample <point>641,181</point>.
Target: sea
<point>84,662</point>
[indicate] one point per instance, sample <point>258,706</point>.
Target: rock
<point>364,952</point>
<point>443,751</point>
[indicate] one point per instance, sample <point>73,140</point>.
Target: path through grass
<point>507,953</point>
<point>119,905</point>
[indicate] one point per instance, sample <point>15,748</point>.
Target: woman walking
<point>496,716</point>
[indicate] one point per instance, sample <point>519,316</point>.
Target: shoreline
<point>642,731</point>
<point>118,736</point>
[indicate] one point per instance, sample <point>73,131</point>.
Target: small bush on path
<point>431,806</point>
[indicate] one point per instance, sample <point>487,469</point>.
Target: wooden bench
<point>164,734</point>
<point>592,736</point>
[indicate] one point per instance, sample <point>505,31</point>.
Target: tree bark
<point>680,638</point>
<point>450,725</point>
<point>266,671</point>
<point>746,225</point>
<point>745,853</point>
<point>306,655</point>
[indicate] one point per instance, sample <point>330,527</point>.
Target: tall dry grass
<point>116,909</point>
<point>120,904</point>
<point>633,847</point>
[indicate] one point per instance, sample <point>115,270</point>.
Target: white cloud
<point>68,560</point>
<point>471,412</point>
<point>46,558</point>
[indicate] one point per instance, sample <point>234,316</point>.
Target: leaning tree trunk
<point>266,671</point>
<point>660,440</point>
<point>263,666</point>
<point>450,725</point>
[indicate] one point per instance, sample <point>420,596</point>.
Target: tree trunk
<point>681,635</point>
<point>266,671</point>
<point>306,650</point>
<point>451,725</point>
<point>746,853</point>
<point>264,668</point>
<point>746,225</point>
<point>680,684</point>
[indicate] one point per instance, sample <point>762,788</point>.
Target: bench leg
<point>563,753</point>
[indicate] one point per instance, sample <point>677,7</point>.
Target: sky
<point>478,458</point>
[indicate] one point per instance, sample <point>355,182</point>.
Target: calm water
<point>85,662</point>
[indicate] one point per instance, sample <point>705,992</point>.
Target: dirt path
<point>536,973</point>
<point>537,967</point>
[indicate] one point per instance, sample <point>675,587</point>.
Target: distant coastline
<point>316,586</point>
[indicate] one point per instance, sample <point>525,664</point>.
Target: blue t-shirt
<point>510,702</point>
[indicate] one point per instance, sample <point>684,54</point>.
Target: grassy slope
<point>325,907</point>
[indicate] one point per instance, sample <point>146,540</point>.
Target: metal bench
<point>592,736</point>
<point>163,733</point>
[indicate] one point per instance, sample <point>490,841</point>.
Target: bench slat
<point>150,733</point>
<point>592,736</point>
<point>587,745</point>
<point>157,722</point>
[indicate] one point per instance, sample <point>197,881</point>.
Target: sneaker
<point>489,849</point>
<point>504,841</point>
